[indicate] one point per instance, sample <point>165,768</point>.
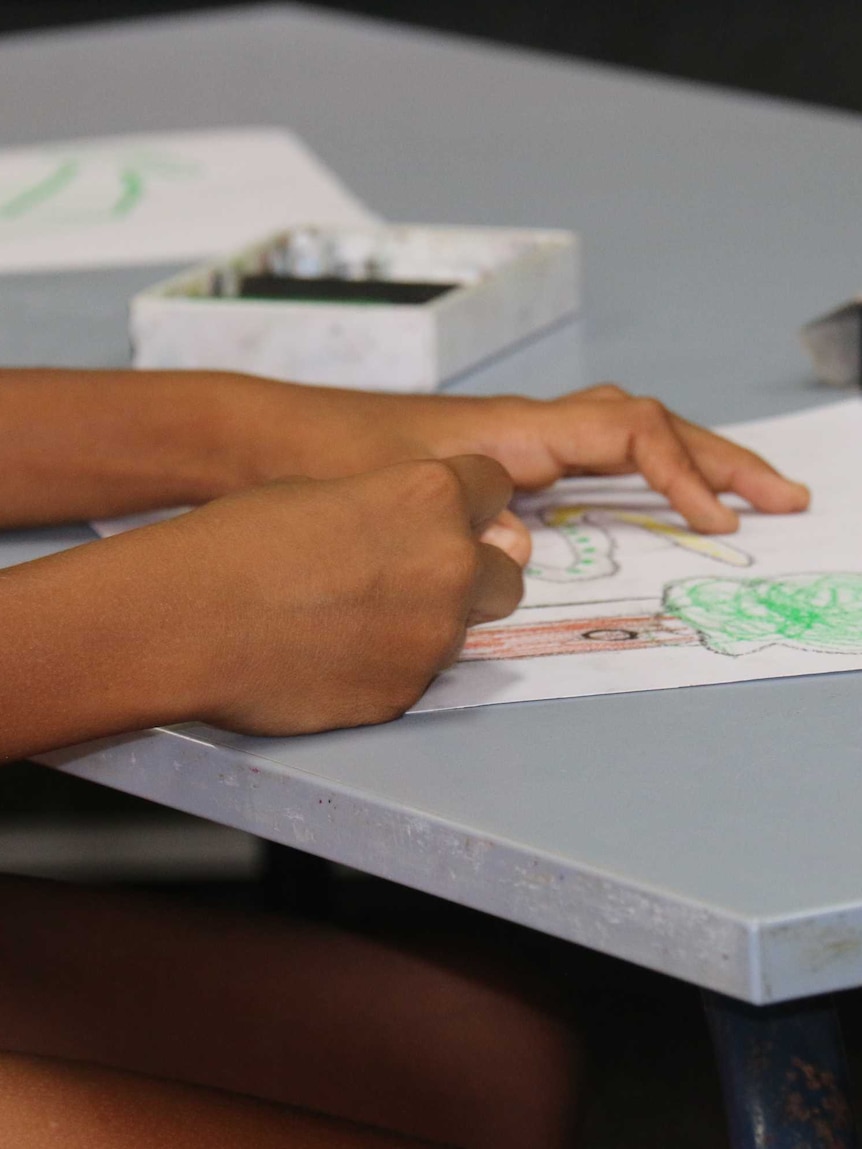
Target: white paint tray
<point>396,308</point>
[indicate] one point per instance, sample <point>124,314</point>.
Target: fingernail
<point>503,537</point>
<point>512,542</point>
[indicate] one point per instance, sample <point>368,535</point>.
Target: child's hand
<point>93,444</point>
<point>602,430</point>
<point>334,603</point>
<point>303,605</point>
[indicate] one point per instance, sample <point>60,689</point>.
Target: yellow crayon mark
<point>706,545</point>
<point>564,516</point>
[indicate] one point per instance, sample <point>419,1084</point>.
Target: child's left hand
<point>83,444</point>
<point>327,432</point>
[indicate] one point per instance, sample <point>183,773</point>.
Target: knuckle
<point>661,483</point>
<point>432,482</point>
<point>648,411</point>
<point>607,390</point>
<point>667,481</point>
<point>460,567</point>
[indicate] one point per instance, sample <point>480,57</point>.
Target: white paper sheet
<point>160,198</point>
<point>641,608</point>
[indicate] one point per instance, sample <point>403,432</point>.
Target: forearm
<point>90,444</point>
<point>97,640</point>
<point>84,444</point>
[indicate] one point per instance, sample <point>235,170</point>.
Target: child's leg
<point>46,1103</point>
<point>289,1012</point>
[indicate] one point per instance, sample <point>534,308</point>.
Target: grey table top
<point>712,833</point>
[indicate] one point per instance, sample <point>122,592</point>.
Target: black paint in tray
<point>333,290</point>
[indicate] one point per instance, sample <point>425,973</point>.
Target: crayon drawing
<point>621,596</point>
<point>589,534</point>
<point>726,615</point>
<point>159,197</point>
<point>58,190</point>
<point>819,613</point>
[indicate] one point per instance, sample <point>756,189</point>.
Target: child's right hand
<point>299,606</point>
<point>334,603</point>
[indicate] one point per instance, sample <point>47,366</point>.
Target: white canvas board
<point>160,198</point>
<point>639,607</point>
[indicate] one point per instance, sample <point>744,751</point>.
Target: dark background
<point>800,49</point>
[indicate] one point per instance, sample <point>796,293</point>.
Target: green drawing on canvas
<point>126,181</point>
<point>38,193</point>
<point>817,612</point>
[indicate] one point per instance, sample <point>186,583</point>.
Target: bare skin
<point>84,444</point>
<point>305,604</point>
<point>47,1102</point>
<point>450,1050</point>
<point>293,607</point>
<point>345,543</point>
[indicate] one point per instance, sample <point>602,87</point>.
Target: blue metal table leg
<point>783,1074</point>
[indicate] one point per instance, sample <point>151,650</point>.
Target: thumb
<point>509,534</point>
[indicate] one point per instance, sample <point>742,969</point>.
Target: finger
<point>724,465</point>
<point>498,588</point>
<point>729,467</point>
<point>639,435</point>
<point>663,459</point>
<point>511,535</point>
<point>486,485</point>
